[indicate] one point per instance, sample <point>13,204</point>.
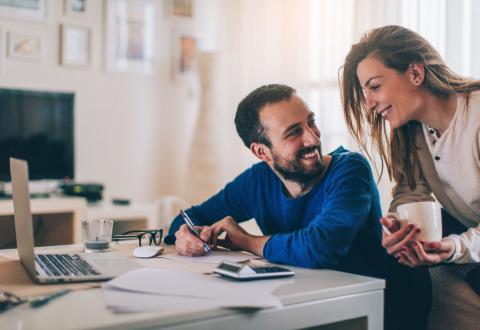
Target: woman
<point>394,75</point>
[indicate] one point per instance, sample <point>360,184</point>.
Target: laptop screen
<point>22,213</point>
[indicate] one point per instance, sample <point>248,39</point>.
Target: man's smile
<point>311,153</point>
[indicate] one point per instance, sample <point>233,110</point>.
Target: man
<point>315,211</point>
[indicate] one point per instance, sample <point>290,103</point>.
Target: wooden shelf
<point>57,220</point>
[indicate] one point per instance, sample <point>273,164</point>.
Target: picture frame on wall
<point>181,8</point>
<point>75,46</point>
<point>185,55</point>
<point>28,9</point>
<point>25,46</point>
<point>129,34</point>
<point>75,8</point>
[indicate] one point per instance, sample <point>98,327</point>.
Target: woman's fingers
<point>439,251</point>
<point>438,247</point>
<point>423,257</point>
<point>389,224</point>
<point>395,236</point>
<point>396,241</point>
<point>403,260</point>
<point>411,256</point>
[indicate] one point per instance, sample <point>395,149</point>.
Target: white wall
<point>139,135</point>
<point>128,128</point>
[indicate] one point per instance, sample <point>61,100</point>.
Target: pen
<point>194,231</point>
<point>37,302</point>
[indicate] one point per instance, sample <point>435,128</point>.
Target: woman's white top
<point>456,155</point>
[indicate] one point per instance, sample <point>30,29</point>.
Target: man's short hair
<point>247,118</point>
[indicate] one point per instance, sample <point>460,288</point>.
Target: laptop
<point>56,267</point>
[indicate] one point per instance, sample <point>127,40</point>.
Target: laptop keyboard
<point>65,265</point>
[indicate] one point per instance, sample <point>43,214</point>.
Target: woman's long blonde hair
<point>397,47</point>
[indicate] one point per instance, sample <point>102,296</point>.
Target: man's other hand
<point>187,244</point>
<point>236,238</point>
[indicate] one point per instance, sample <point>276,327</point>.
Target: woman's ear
<point>416,73</point>
<point>261,151</point>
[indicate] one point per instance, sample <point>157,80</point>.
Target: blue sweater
<point>335,225</point>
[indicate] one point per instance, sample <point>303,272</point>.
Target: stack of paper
<point>148,289</point>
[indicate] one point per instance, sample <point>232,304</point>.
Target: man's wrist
<point>255,244</point>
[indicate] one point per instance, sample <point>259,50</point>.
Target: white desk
<point>311,298</point>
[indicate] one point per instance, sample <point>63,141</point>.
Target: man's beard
<point>293,170</point>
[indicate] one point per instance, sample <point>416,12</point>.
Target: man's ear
<point>416,73</point>
<point>261,151</point>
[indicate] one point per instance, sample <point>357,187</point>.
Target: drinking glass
<point>97,234</point>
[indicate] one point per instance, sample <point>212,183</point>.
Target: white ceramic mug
<point>425,215</point>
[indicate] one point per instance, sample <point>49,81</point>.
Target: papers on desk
<point>120,301</point>
<point>217,257</point>
<point>148,289</point>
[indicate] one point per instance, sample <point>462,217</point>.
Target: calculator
<point>244,272</point>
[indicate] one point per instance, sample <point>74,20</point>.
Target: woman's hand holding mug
<point>396,238</point>
<point>414,235</point>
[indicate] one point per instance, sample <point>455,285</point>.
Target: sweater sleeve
<point>327,239</point>
<point>230,201</point>
<point>467,246</point>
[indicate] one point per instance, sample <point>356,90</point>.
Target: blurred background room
<point>156,82</point>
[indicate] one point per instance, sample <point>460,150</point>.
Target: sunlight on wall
<point>303,43</point>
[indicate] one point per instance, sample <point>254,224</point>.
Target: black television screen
<point>38,127</point>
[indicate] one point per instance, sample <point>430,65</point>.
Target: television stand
<point>37,188</point>
<point>56,221</point>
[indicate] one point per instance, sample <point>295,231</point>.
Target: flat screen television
<point>37,126</point>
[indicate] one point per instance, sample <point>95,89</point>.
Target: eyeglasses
<point>9,300</point>
<point>145,237</point>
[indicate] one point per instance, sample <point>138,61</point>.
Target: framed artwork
<point>25,46</point>
<point>30,9</point>
<point>181,8</point>
<point>130,29</point>
<point>75,8</point>
<point>185,55</point>
<point>75,45</point>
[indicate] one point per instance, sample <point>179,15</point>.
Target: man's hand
<point>427,254</point>
<point>236,237</point>
<point>188,244</point>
